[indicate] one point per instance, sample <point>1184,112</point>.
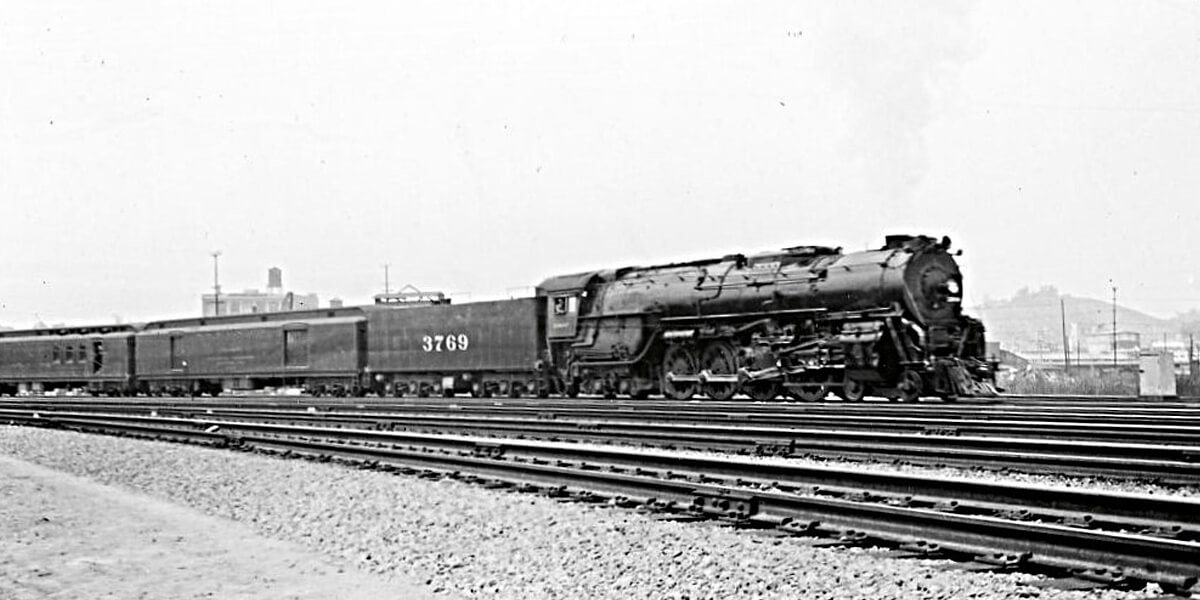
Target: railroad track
<point>1149,429</point>
<point>1090,411</point>
<point>1086,449</point>
<point>1118,539</point>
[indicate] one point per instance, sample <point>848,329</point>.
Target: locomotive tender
<point>801,321</point>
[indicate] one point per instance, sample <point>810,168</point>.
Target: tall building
<point>254,301</point>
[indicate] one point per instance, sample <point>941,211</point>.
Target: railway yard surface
<point>71,537</point>
<point>87,515</point>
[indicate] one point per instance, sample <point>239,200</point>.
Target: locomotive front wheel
<point>852,390</point>
<point>720,359</point>
<point>679,360</point>
<point>910,386</point>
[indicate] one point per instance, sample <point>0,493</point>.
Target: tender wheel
<point>762,391</point>
<point>809,393</point>
<point>910,386</point>
<point>719,359</point>
<point>852,390</point>
<point>679,360</point>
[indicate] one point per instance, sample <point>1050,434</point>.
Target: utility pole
<point>1114,315</point>
<point>1062,308</point>
<point>216,285</point>
<point>387,284</point>
<point>1192,355</point>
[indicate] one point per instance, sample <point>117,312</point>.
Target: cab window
<point>566,305</point>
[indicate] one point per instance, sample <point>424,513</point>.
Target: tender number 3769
<point>450,342</point>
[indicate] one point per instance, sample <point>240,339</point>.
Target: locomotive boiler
<point>801,321</point>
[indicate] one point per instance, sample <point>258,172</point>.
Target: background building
<point>274,299</point>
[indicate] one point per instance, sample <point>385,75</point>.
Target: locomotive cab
<point>563,316</point>
<point>564,301</point>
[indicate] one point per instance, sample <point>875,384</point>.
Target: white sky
<point>483,146</point>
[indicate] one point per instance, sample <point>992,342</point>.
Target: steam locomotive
<point>802,322</point>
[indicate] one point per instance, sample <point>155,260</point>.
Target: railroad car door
<point>97,355</point>
<point>295,347</point>
<point>175,351</point>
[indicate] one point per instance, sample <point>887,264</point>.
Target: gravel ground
<point>68,537</point>
<point>485,544</point>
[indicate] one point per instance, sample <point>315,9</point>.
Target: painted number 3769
<point>449,342</point>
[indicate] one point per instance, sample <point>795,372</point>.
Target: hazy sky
<point>483,146</point>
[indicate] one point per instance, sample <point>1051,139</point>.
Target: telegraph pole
<point>1114,315</point>
<point>216,285</point>
<point>1192,355</point>
<point>1062,307</point>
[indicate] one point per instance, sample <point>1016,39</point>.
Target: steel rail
<point>747,426</point>
<point>1105,505</point>
<point>249,401</point>
<point>1124,416</point>
<point>1179,464</point>
<point>1127,427</point>
<point>1176,465</point>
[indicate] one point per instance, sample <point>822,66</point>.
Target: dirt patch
<point>62,536</point>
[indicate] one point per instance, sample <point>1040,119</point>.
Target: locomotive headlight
<point>952,288</point>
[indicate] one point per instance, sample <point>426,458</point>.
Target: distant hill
<point>1032,320</point>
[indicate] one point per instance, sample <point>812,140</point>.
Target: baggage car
<point>96,360</point>
<point>321,352</point>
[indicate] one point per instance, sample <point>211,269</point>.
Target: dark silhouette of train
<point>800,322</point>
